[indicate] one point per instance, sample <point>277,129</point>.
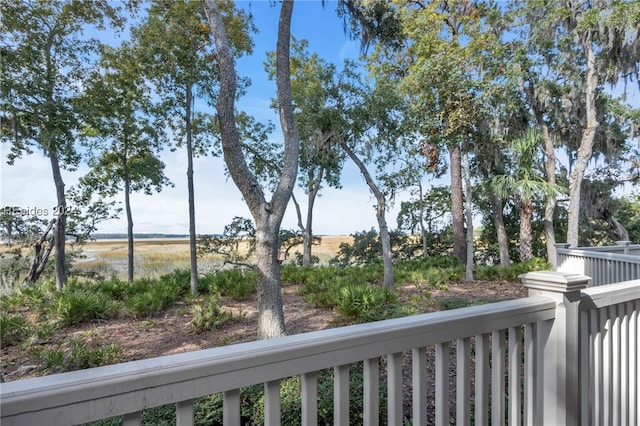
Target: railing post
<point>556,261</point>
<point>625,245</point>
<point>560,340</point>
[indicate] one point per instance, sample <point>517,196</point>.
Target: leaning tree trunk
<point>457,204</point>
<point>586,144</point>
<point>60,231</point>
<point>193,257</point>
<point>267,215</point>
<point>381,207</point>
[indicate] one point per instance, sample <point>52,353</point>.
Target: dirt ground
<point>170,333</point>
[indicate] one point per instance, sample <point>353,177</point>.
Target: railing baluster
<point>615,365</point>
<point>529,373</point>
<point>394,388</point>
<point>309,399</point>
<point>624,364</point>
<point>497,378</point>
<point>463,381</point>
<point>231,408</point>
<point>341,395</point>
<point>371,393</point>
<point>597,374</point>
<point>272,403</point>
<point>634,364</point>
<point>515,362</point>
<point>132,419</point>
<point>442,384</point>
<point>184,413</point>
<point>586,354</point>
<point>482,380</point>
<point>419,386</point>
<point>606,363</point>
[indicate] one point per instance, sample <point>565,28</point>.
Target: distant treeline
<point>137,236</point>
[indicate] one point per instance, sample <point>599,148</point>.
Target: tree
<point>123,133</point>
<point>315,90</point>
<point>370,135</point>
<point>267,215</point>
<point>433,60</point>
<point>44,57</point>
<point>176,46</point>
<point>585,45</point>
<point>523,182</point>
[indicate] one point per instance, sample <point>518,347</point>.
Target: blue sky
<point>29,184</point>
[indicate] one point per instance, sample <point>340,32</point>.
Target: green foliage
<point>364,303</point>
<point>146,298</point>
<point>497,273</point>
<point>365,249</point>
<point>13,329</point>
<point>457,302</point>
<point>239,284</point>
<point>208,316</point>
<point>75,354</point>
<point>79,305</point>
<point>433,271</point>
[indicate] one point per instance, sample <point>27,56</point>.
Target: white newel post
<point>560,344</point>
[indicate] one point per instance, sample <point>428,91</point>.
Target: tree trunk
<point>127,207</point>
<point>193,256</point>
<point>526,212</point>
<point>586,144</point>
<point>469,217</point>
<point>457,204</point>
<point>41,254</point>
<point>385,238</point>
<point>308,233</point>
<point>550,169</point>
<point>267,215</point>
<point>423,228</point>
<point>60,230</point>
<point>501,231</point>
<point>270,308</point>
<point>498,217</point>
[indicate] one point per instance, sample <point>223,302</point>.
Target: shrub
<point>75,355</point>
<point>208,317</point>
<point>363,303</point>
<point>13,329</point>
<point>456,302</point>
<point>236,283</point>
<point>146,304</point>
<point>76,306</point>
<point>179,280</point>
<point>496,272</point>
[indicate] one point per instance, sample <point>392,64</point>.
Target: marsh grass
<point>154,258</point>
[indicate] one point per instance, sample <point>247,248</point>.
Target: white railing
<point>605,265</point>
<point>517,362</point>
<point>609,354</point>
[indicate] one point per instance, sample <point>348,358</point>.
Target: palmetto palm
<point>526,184</point>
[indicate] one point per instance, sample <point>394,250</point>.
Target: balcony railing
<point>565,355</point>
<point>605,265</point>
